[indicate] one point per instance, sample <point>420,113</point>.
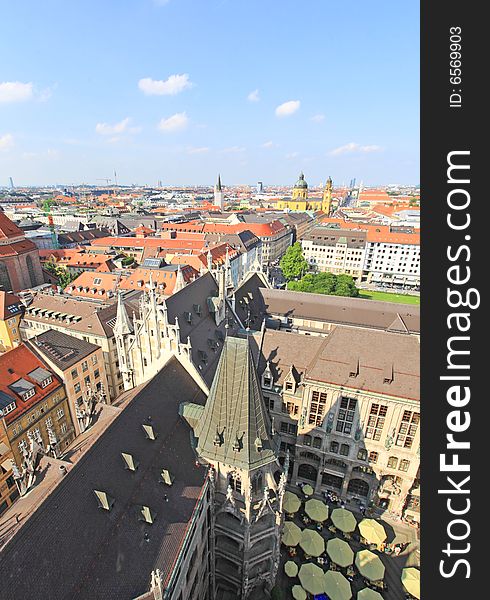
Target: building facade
<point>11,311</point>
<point>80,365</point>
<point>38,408</point>
<point>329,250</point>
<point>348,409</point>
<point>20,268</point>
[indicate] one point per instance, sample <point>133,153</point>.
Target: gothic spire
<point>235,427</point>
<point>123,324</point>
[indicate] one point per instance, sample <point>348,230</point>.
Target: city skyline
<point>125,87</point>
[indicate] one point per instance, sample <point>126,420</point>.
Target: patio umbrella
<point>298,592</point>
<point>316,510</point>
<point>312,542</point>
<point>308,490</point>
<point>311,578</point>
<point>372,531</point>
<point>344,520</point>
<point>369,594</point>
<point>291,502</point>
<point>340,552</point>
<point>336,586</point>
<point>291,569</point>
<point>370,565</point>
<point>411,581</point>
<point>291,534</point>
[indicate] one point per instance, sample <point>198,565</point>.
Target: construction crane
<point>47,211</point>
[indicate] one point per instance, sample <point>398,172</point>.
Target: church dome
<point>301,183</point>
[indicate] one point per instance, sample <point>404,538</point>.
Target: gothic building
<point>233,434</point>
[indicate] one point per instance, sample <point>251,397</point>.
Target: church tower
<point>234,436</point>
<point>218,193</point>
<point>300,189</point>
<point>327,196</point>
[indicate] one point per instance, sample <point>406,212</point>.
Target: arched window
<point>257,483</point>
<point>5,283</point>
<point>235,482</point>
<point>332,481</point>
<point>307,472</point>
<point>358,486</point>
<point>31,271</point>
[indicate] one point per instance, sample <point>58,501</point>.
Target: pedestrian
<point>165,497</point>
<point>146,537</point>
<point>397,549</point>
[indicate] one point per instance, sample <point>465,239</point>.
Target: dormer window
<point>289,386</point>
<point>46,381</point>
<point>28,394</point>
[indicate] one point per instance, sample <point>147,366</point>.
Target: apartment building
<point>347,406</point>
<point>330,250</point>
<point>38,406</point>
<point>83,319</point>
<point>11,311</point>
<point>79,364</point>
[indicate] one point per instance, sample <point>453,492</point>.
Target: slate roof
<point>203,329</point>
<point>70,549</point>
<point>235,427</point>
<point>61,349</point>
<point>356,312</point>
<point>330,359</point>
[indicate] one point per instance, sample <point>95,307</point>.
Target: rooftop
<point>70,548</point>
<point>61,349</point>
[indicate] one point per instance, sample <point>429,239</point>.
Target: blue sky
<point>178,90</point>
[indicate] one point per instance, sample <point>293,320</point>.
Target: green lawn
<point>388,297</point>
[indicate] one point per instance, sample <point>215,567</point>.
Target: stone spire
<point>235,428</point>
<point>218,193</point>
<point>179,280</point>
<point>123,324</point>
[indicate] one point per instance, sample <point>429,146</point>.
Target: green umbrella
<point>336,586</point>
<point>370,565</point>
<point>312,542</point>
<point>291,568</point>
<point>311,578</point>
<point>291,534</point>
<point>308,490</point>
<point>368,594</point>
<point>372,531</point>
<point>344,520</point>
<point>411,581</point>
<point>291,502</point>
<point>340,552</point>
<point>316,510</point>
<point>298,592</point>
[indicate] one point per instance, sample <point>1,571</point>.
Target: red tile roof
<point>17,364</point>
<point>8,299</point>
<point>8,229</point>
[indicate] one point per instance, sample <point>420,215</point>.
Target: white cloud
<point>253,96</point>
<point>6,141</point>
<point>106,129</point>
<point>202,150</point>
<point>318,118</point>
<point>292,155</point>
<point>176,122</point>
<point>353,147</point>
<point>269,144</point>
<point>287,108</point>
<point>233,150</point>
<point>117,128</point>
<point>15,91</point>
<point>170,87</point>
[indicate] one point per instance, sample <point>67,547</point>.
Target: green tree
<point>326,283</point>
<point>293,264</point>
<point>62,274</point>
